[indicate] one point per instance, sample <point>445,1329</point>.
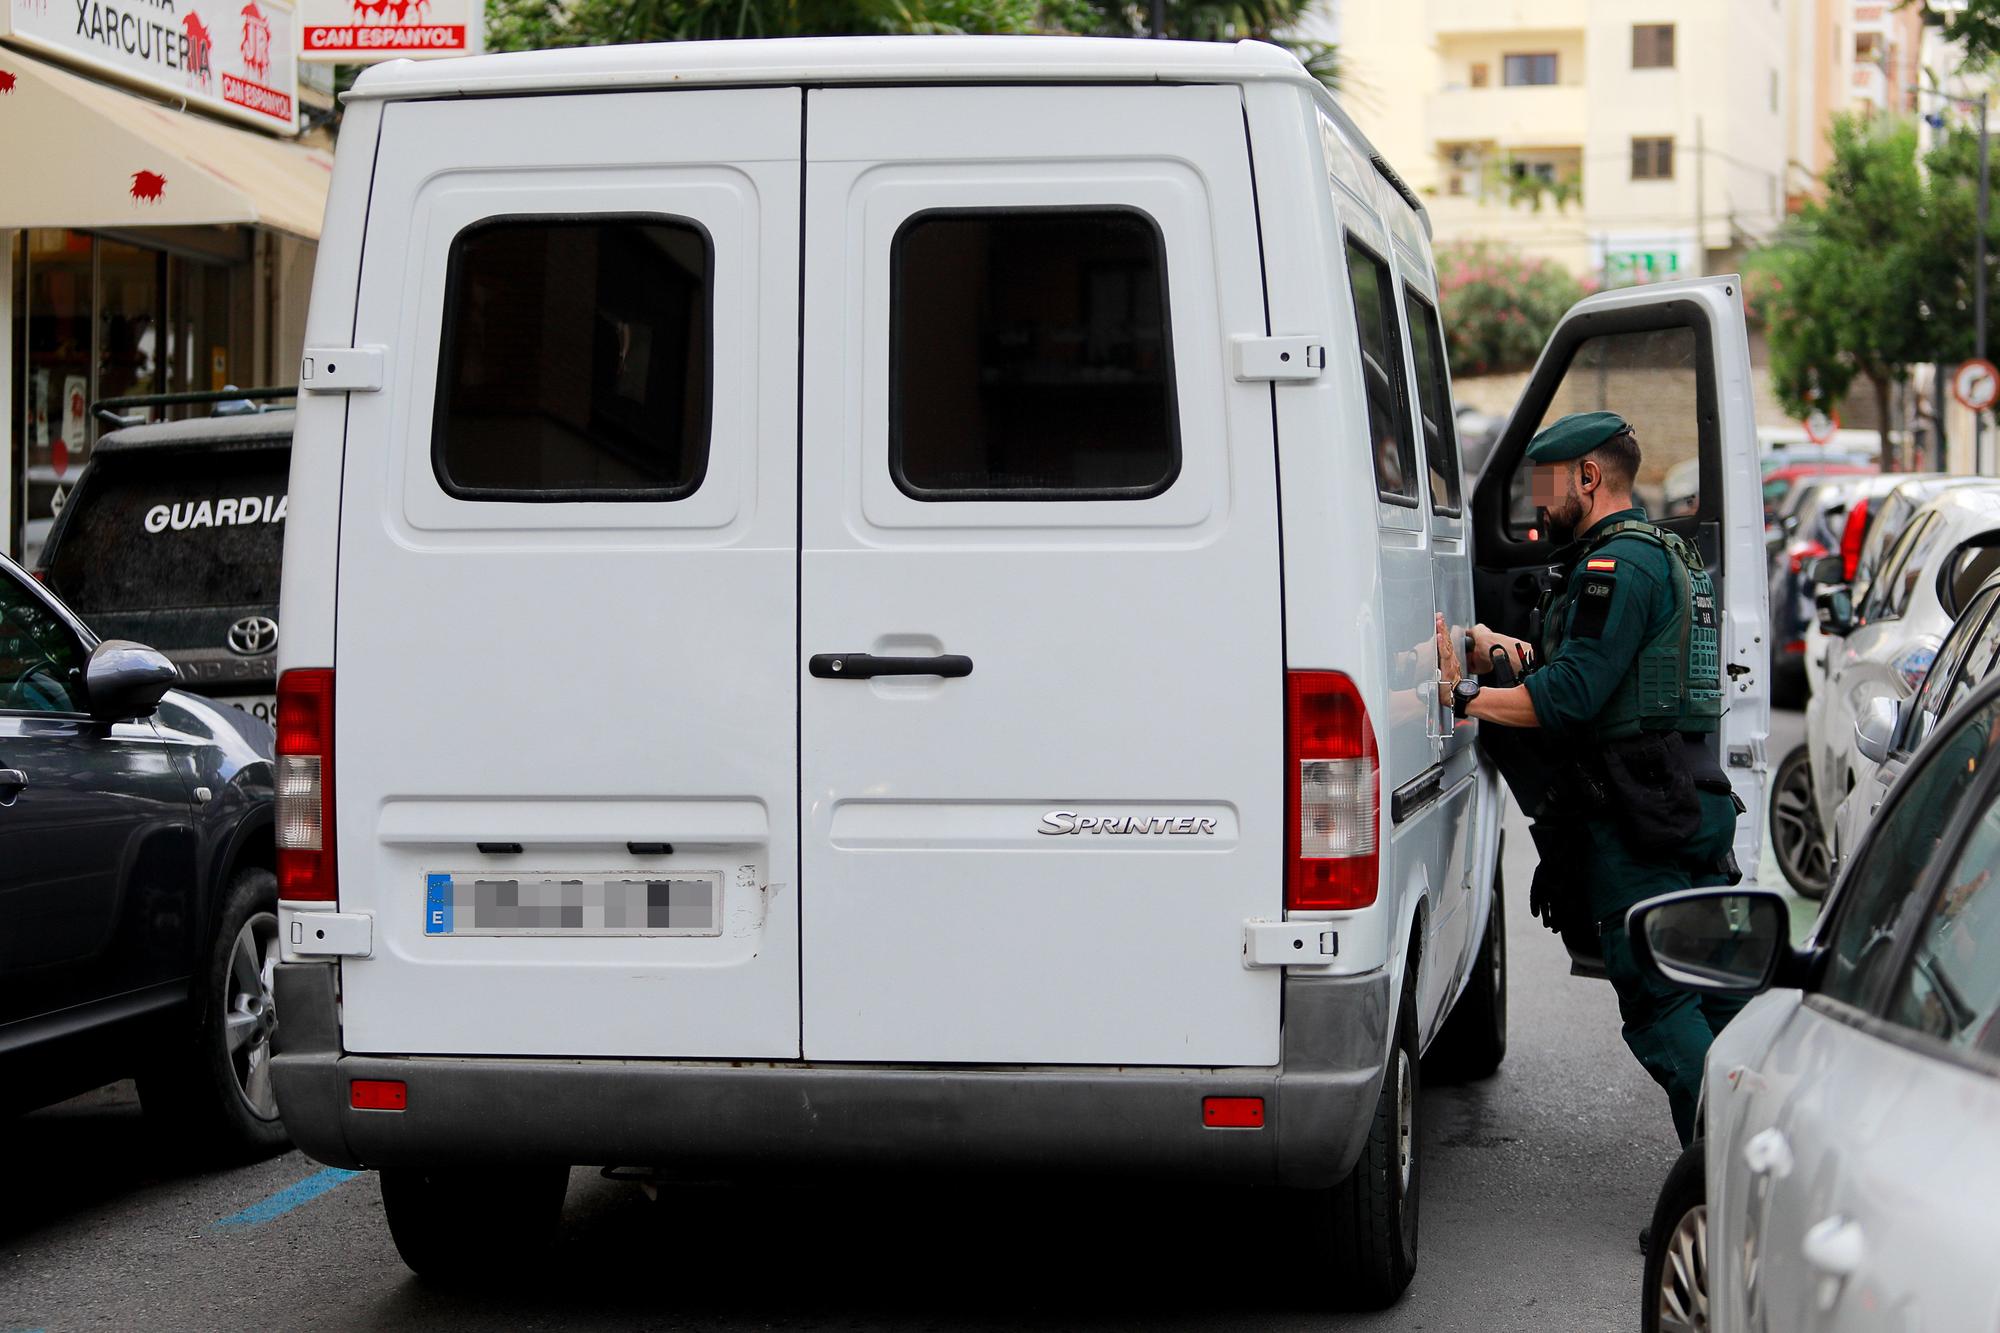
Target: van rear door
<point>566,772</point>
<point>1674,360</point>
<point>1042,670</point>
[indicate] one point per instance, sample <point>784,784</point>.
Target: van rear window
<point>174,531</point>
<point>576,360</point>
<point>1030,357</point>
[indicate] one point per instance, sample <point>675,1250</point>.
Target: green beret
<point>1574,436</point>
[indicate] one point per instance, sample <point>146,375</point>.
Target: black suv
<point>138,904</point>
<point>174,536</point>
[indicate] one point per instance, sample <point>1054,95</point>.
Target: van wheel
<point>464,1225</point>
<point>212,1088</point>
<point>1364,1230</point>
<point>1676,1283</point>
<point>1473,1041</point>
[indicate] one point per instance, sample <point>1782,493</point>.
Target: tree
<point>1975,27</point>
<point>514,25</point>
<point>1499,306</point>
<point>1875,276</point>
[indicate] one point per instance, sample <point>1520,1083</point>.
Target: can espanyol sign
<point>233,57</point>
<point>359,32</point>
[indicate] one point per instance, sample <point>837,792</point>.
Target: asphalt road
<point>1536,1184</point>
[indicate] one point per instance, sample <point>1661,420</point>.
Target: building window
<point>1481,74</point>
<point>1652,46</point>
<point>1653,159</point>
<point>1518,71</point>
<point>1029,356</point>
<point>576,360</point>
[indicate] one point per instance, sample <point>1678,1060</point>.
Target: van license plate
<point>489,904</point>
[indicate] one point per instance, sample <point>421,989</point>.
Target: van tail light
<point>305,785</point>
<point>1804,553</point>
<point>1852,536</point>
<point>1332,794</point>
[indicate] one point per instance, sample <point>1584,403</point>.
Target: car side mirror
<point>1714,941</point>
<point>1875,729</point>
<point>1828,569</point>
<point>1835,609</point>
<point>126,680</point>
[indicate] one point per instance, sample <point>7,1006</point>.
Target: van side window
<point>1433,401</point>
<point>1382,373</point>
<point>1029,356</point>
<point>576,360</point>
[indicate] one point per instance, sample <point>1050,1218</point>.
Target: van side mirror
<point>1875,729</point>
<point>126,680</point>
<point>1828,569</point>
<point>1714,941</point>
<point>1835,609</point>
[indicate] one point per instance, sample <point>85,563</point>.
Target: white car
<point>1882,643</point>
<point>1846,1176</point>
<point>897,716</point>
<point>1888,733</point>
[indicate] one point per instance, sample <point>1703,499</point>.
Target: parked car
<point>1820,513</point>
<point>1892,497</point>
<point>174,536</point>
<point>1888,733</point>
<point>1845,1178</point>
<point>138,908</point>
<point>1881,647</point>
<point>923,742</point>
<point>1782,486</point>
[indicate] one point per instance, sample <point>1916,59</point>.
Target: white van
<point>869,601</point>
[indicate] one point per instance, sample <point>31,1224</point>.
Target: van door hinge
<point>341,369</point>
<point>1286,943</point>
<point>1288,358</point>
<point>324,934</point>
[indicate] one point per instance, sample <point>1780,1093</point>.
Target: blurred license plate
<point>263,707</point>
<point>489,904</point>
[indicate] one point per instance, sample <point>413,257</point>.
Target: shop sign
<point>233,57</point>
<point>1624,267</point>
<point>360,32</point>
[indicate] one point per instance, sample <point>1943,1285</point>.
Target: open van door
<point>1672,359</point>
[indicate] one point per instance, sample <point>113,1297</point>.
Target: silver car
<point>1882,643</point>
<point>1849,1162</point>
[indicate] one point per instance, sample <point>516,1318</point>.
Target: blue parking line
<point>289,1198</point>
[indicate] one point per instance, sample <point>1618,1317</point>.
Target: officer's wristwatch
<point>1462,695</point>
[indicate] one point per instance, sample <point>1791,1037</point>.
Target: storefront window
<point>102,317</point>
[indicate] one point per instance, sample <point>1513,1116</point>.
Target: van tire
<point>1362,1233</point>
<point>198,1090</point>
<point>1473,1041</point>
<point>485,1225</point>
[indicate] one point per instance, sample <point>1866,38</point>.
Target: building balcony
<point>1452,17</point>
<point>1538,116</point>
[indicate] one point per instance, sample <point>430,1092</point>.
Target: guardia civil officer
<point>1625,683</point>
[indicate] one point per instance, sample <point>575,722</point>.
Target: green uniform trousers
<point>1667,1028</point>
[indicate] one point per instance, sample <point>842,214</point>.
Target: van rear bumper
<point>724,1118</point>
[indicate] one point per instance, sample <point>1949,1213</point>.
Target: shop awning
<point>75,153</point>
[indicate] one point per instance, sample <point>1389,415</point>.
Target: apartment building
<point>1629,140</point>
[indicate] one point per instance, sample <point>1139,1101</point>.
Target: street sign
<point>1976,384</point>
<point>1820,427</point>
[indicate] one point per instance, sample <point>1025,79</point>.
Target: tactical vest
<point>1676,680</point>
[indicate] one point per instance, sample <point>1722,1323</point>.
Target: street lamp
<point>1979,258</point>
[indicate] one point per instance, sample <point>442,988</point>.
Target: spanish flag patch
<point>1601,564</point>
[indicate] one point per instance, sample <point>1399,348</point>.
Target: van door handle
<point>12,782</point>
<point>866,666</point>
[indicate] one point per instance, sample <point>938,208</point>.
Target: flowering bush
<point>1499,305</point>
